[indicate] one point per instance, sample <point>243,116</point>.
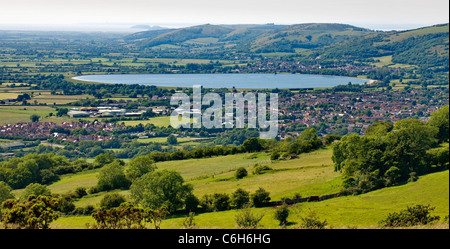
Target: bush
<point>261,169</point>
<point>281,214</point>
<point>191,203</point>
<point>112,176</point>
<point>66,205</point>
<point>88,210</point>
<point>312,221</point>
<point>246,219</point>
<point>240,198</point>
<point>275,155</point>
<point>207,203</point>
<point>260,198</point>
<point>412,216</point>
<point>112,200</point>
<point>221,202</point>
<point>241,173</point>
<point>80,192</point>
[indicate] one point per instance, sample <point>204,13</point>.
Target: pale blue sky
<point>357,12</point>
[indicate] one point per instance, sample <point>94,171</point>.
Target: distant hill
<point>262,37</point>
<point>422,47</point>
<point>147,27</point>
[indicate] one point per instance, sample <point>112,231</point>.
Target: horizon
<point>76,14</point>
<point>127,27</point>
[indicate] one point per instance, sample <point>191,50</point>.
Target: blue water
<point>245,81</point>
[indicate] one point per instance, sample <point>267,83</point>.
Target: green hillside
<point>362,211</point>
<point>424,47</point>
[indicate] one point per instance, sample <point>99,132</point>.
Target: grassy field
<point>157,121</point>
<point>362,211</point>
<point>310,174</point>
<point>387,61</point>
<point>15,114</point>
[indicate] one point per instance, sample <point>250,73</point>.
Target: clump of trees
<point>389,154</point>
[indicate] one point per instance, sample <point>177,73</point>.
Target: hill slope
<point>362,211</point>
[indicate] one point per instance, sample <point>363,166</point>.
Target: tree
<point>252,145</point>
<point>160,188</point>
<point>112,176</point>
<point>33,213</point>
<point>5,192</point>
<point>103,159</point>
<point>240,198</point>
<point>112,200</point>
<point>140,166</point>
<point>35,118</point>
<point>260,197</point>
<point>241,173</point>
<point>392,175</point>
<point>35,189</point>
<point>62,111</point>
<point>171,139</point>
<point>379,128</point>
<point>221,202</point>
<point>440,119</point>
<point>274,155</point>
<point>281,214</point>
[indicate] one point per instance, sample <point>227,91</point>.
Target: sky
<point>375,14</point>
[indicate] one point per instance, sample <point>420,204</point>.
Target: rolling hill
<point>423,47</point>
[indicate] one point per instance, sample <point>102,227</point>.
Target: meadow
<point>362,211</point>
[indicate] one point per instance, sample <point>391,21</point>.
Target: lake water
<point>245,81</point>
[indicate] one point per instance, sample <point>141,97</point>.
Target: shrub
<point>80,192</point>
<point>260,198</point>
<point>33,213</point>
<point>221,202</point>
<point>413,177</point>
<point>191,202</point>
<point>112,176</point>
<point>35,189</point>
<point>207,203</point>
<point>412,216</point>
<point>241,173</point>
<point>281,214</point>
<point>261,169</point>
<point>240,198</point>
<point>189,221</point>
<point>112,200</point>
<point>275,155</point>
<point>88,210</point>
<point>312,221</point>
<point>246,219</point>
<point>66,205</point>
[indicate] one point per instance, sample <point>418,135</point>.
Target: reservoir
<point>240,81</point>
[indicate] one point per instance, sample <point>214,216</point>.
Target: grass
<point>362,211</point>
<point>49,99</point>
<point>15,114</point>
<point>163,121</point>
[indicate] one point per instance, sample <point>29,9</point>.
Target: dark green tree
<point>160,188</point>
